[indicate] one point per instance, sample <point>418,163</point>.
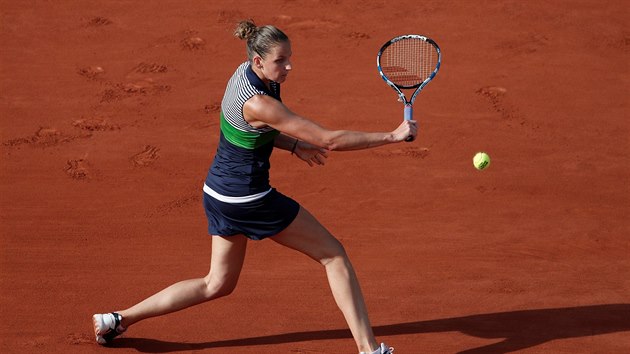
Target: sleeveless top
<point>240,170</point>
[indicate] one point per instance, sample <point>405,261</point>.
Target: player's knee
<point>219,286</point>
<point>335,253</point>
<point>219,290</point>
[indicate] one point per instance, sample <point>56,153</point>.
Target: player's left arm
<point>285,142</point>
<point>309,153</point>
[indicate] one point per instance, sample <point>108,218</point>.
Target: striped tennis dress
<point>237,194</point>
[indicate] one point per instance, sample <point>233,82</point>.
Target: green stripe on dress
<point>246,140</point>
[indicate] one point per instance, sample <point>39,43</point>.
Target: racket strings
<point>409,62</point>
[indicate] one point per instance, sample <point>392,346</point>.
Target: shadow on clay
<point>518,329</point>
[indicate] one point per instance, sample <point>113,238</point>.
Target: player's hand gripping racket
<point>409,62</point>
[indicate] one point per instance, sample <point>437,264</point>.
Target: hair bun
<point>245,29</point>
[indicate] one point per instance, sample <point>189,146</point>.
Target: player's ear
<point>257,61</point>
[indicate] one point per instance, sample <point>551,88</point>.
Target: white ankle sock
<point>380,349</point>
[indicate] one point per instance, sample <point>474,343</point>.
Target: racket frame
<point>408,112</point>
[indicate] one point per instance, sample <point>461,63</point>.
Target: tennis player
<point>241,205</point>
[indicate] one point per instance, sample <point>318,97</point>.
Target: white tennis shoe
<point>383,349</point>
<point>107,327</point>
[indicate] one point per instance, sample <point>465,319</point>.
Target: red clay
<point>109,123</point>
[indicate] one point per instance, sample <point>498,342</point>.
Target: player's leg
<point>228,254</point>
<point>308,236</point>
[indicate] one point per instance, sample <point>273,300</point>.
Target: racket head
<point>409,61</point>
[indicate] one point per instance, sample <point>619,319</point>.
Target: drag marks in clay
<point>91,72</point>
<point>230,16</point>
<point>142,87</point>
<point>79,338</point>
<point>212,111</point>
<point>355,38</point>
<point>411,152</point>
<point>212,108</point>
<point>78,169</point>
<point>357,35</point>
<point>179,205</point>
<point>142,82</point>
<point>508,113</point>
<point>193,43</point>
<point>526,44</point>
<point>144,68</point>
<point>306,25</point>
<point>496,96</point>
<point>94,124</point>
<point>98,21</point>
<point>45,137</point>
<point>138,83</point>
<point>146,157</point>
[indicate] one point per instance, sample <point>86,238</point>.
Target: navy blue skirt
<point>256,220</point>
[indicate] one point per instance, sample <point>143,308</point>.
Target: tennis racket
<point>409,62</point>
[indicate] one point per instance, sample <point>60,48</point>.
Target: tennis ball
<point>481,160</point>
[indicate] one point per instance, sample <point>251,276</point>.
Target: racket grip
<point>408,112</point>
<point>409,116</point>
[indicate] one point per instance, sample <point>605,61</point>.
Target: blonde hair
<point>260,40</point>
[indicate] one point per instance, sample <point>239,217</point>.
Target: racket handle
<point>408,112</point>
<point>409,116</point>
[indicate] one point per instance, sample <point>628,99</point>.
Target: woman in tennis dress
<point>240,203</point>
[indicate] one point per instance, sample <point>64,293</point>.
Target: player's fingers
<point>316,159</point>
<point>413,129</point>
<point>321,159</point>
<point>413,125</point>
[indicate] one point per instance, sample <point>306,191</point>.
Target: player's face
<point>277,64</point>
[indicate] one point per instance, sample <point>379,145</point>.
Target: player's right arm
<point>261,110</point>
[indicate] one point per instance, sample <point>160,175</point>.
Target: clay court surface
<point>109,121</point>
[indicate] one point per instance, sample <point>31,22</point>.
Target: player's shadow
<point>515,330</point>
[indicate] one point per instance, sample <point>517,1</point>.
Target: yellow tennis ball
<point>481,160</point>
